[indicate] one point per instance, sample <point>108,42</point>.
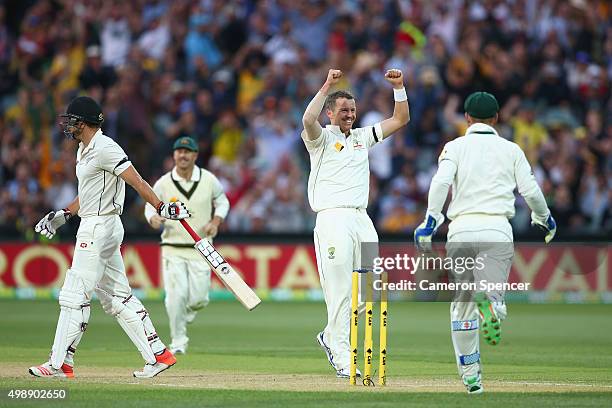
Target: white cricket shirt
<point>339,167</point>
<point>98,166</point>
<point>484,170</point>
<point>202,194</point>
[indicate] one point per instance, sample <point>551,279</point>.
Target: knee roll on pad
<point>72,295</point>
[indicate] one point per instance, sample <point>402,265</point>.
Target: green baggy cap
<point>185,142</point>
<point>481,105</point>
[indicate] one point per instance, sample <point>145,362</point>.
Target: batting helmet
<point>84,109</point>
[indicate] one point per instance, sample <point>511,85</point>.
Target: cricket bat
<point>230,278</point>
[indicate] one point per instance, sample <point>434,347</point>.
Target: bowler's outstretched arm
<point>310,120</point>
<point>401,113</point>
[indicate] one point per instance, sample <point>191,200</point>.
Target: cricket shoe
<point>178,350</point>
<point>346,373</point>
<point>473,384</point>
<point>164,361</point>
<point>46,370</point>
<point>490,321</point>
<point>327,350</point>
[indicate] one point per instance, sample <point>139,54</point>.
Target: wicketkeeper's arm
<point>531,192</point>
<point>529,189</point>
<point>440,183</point>
<point>438,191</point>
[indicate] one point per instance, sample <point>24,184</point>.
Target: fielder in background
<point>186,276</point>
<point>483,169</point>
<point>338,188</point>
<point>102,169</point>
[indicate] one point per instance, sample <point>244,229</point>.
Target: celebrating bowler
<point>338,188</point>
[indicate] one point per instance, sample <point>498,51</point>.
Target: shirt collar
<point>335,129</point>
<point>92,142</point>
<point>195,174</point>
<point>481,128</point>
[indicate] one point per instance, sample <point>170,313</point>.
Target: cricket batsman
<point>102,169</point>
<point>483,169</point>
<point>186,276</point>
<point>338,188</point>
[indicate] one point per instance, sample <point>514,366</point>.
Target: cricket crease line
<point>558,384</point>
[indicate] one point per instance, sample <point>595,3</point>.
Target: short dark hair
<point>330,102</point>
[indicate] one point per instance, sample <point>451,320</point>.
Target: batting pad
<point>125,311</point>
<point>73,318</point>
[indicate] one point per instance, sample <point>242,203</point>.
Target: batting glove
<point>549,226</point>
<point>424,232</point>
<point>52,221</point>
<point>173,211</point>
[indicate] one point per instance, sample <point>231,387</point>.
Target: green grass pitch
<point>550,355</point>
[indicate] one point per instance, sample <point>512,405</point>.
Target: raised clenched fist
<point>395,78</point>
<point>333,76</point>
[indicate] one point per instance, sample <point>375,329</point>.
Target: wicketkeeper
<point>483,169</point>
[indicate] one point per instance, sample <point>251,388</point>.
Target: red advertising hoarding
<point>558,268</point>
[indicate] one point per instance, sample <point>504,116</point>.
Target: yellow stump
<point>354,325</point>
<point>382,363</point>
<point>368,344</point>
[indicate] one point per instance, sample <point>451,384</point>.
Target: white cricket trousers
<point>187,286</point>
<point>338,236</point>
<point>496,250</point>
<point>97,265</point>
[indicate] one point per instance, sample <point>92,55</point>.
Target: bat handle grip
<point>190,230</point>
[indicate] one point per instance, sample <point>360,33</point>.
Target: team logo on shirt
<point>331,251</point>
<point>338,146</point>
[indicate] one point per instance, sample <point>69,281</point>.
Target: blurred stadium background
<point>237,75</point>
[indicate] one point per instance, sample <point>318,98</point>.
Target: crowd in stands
<point>237,75</point>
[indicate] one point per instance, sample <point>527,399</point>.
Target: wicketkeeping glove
<point>549,226</point>
<point>173,211</point>
<point>52,221</point>
<point>424,232</point>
